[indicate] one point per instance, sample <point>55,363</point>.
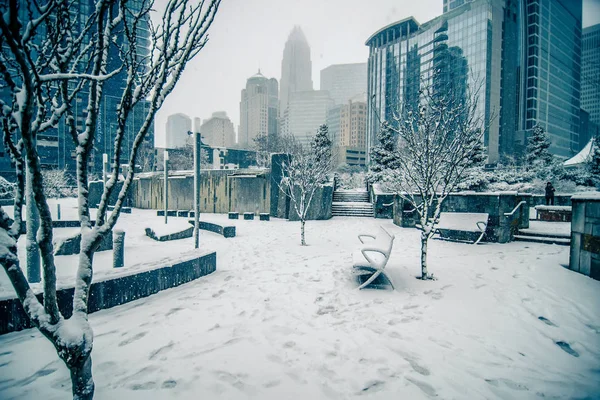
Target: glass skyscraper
<point>590,72</point>
<point>527,54</point>
<point>463,47</point>
<point>55,145</point>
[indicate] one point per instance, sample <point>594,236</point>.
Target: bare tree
<point>307,171</point>
<point>48,60</point>
<point>437,142</point>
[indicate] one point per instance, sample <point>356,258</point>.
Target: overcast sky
<point>250,34</point>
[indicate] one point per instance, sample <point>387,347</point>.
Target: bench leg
<point>373,277</point>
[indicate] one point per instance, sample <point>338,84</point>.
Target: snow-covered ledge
<point>120,287</point>
<point>585,234</point>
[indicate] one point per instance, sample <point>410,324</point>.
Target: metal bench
<point>462,227</point>
<point>373,255</point>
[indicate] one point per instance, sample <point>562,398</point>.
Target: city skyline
<point>213,82</point>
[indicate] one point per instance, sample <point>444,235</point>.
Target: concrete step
<point>341,214</point>
<point>533,232</point>
<point>350,196</point>
<point>543,239</point>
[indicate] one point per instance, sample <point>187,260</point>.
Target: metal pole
<point>197,151</point>
<point>166,189</point>
<point>104,167</point>
<point>118,249</point>
<point>58,211</point>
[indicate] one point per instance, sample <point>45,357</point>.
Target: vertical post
<point>33,223</point>
<point>118,249</point>
<point>197,154</point>
<point>104,167</point>
<point>58,211</point>
<point>166,188</point>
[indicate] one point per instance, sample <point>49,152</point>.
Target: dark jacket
<point>550,191</point>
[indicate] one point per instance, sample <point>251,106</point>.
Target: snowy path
<point>281,321</point>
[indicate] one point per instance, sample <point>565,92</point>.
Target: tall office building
<point>526,54</point>
<point>550,72</point>
<point>55,145</point>
<point>347,130</point>
<point>590,72</point>
<point>305,113</point>
<point>344,81</point>
<point>296,68</point>
<point>258,110</point>
<point>218,131</point>
<point>177,131</point>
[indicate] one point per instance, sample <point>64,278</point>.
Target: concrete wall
<point>96,189</point>
<point>221,191</point>
<point>585,236</point>
<point>559,200</point>
<point>500,228</point>
<point>320,206</point>
<point>113,292</point>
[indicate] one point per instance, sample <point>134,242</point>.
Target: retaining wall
<point>500,228</point>
<point>115,291</point>
<point>585,235</point>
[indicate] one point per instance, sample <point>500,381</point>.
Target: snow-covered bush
<point>57,184</point>
<point>7,189</point>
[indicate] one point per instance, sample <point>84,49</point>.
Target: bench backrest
<point>470,222</point>
<point>384,241</point>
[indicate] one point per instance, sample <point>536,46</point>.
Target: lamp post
<point>166,190</point>
<point>197,150</point>
<point>104,167</point>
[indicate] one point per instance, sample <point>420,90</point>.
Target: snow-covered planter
<point>126,285</point>
<point>585,239</point>
<point>554,213</point>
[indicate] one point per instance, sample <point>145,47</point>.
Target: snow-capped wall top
<point>586,196</point>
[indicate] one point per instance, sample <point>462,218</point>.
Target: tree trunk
<point>303,241</point>
<point>424,239</point>
<point>81,379</point>
<point>33,224</point>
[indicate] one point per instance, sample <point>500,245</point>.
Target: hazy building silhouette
<point>177,131</point>
<point>305,113</point>
<point>344,81</point>
<point>218,131</point>
<point>258,110</point>
<point>296,68</point>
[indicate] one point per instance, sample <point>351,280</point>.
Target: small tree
<point>437,145</point>
<point>49,60</point>
<point>183,159</point>
<point>537,152</point>
<point>306,172</point>
<point>383,154</point>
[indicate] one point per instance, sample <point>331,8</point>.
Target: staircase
<point>351,204</point>
<point>529,235</point>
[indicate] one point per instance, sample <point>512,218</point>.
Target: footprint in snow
<point>547,321</point>
<point>220,292</point>
<point>566,347</point>
<point>132,339</point>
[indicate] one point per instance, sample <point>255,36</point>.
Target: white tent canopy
<point>582,157</point>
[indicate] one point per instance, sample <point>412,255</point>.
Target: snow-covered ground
<point>282,321</point>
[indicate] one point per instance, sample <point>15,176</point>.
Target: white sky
<point>250,34</point>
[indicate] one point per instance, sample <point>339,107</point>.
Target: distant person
<point>550,194</point>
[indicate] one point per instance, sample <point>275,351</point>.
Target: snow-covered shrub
<point>57,184</point>
<point>7,189</point>
<point>352,180</point>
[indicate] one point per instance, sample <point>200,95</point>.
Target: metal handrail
<point>523,202</point>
